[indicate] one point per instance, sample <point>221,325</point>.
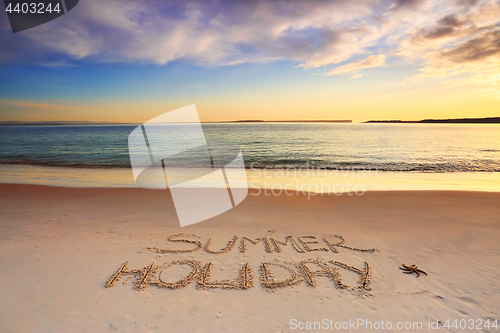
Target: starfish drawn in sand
<point>412,269</point>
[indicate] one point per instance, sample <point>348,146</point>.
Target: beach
<point>60,246</point>
<point>250,166</point>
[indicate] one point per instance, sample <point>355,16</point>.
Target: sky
<point>129,61</point>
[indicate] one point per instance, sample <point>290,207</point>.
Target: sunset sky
<point>129,61</point>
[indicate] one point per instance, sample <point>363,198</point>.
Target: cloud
<point>61,63</point>
<point>370,62</point>
<point>464,42</point>
<point>213,33</point>
<point>445,37</point>
<point>478,56</point>
<point>355,76</point>
<point>408,4</point>
<point>29,104</point>
<point>478,48</point>
<point>453,27</point>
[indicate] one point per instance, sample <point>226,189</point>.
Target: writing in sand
<point>304,271</point>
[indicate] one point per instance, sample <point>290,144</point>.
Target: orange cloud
<point>459,43</point>
<point>354,67</point>
<point>33,105</point>
<point>30,104</point>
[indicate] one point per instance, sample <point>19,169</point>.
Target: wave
<point>403,167</point>
<point>393,148</point>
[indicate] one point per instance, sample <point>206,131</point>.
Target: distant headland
<point>491,120</point>
<point>289,121</point>
<point>64,122</point>
<point>35,123</point>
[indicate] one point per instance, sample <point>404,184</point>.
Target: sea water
<point>398,156</point>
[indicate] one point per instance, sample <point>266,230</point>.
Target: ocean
<point>429,148</point>
<point>308,157</point>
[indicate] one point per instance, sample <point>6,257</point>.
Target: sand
<point>59,247</point>
<point>312,180</point>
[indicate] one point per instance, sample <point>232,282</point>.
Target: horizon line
<point>83,122</point>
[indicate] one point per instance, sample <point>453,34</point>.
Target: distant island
<point>287,121</point>
<point>491,120</point>
<point>64,122</point>
<point>35,123</point>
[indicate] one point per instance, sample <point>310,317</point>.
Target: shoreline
<point>314,181</point>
